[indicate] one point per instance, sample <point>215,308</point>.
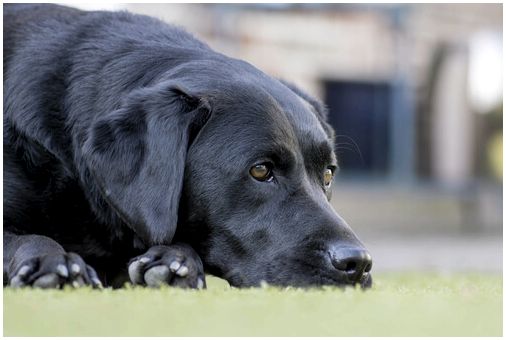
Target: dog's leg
<point>39,261</point>
<point>176,265</point>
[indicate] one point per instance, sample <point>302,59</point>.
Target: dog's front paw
<point>176,265</point>
<point>54,271</point>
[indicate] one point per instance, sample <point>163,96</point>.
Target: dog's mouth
<point>305,268</point>
<point>366,281</point>
<point>304,273</point>
<point>319,278</point>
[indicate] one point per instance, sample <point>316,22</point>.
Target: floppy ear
<point>137,156</point>
<point>320,109</point>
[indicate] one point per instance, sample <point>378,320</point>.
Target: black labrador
<point>133,150</point>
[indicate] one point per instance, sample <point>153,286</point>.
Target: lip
<point>366,281</point>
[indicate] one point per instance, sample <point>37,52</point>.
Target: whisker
<point>357,148</point>
<point>345,148</point>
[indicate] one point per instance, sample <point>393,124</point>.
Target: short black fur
<point>128,142</point>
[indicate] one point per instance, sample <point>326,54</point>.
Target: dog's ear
<point>320,109</point>
<point>137,155</point>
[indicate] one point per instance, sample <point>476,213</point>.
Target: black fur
<point>123,133</point>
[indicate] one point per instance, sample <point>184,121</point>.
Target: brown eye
<point>327,178</point>
<point>261,172</point>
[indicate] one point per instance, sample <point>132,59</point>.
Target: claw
<point>174,266</point>
<point>23,270</point>
<point>145,260</point>
<point>182,271</point>
<point>75,268</point>
<point>97,283</point>
<point>62,270</point>
<point>134,272</point>
<point>16,282</point>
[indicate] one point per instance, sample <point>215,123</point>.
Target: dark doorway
<point>360,113</point>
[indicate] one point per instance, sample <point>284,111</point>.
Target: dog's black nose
<point>354,261</point>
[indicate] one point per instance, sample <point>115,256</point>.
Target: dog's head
<point>240,168</point>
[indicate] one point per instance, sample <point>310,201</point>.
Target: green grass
<point>398,305</point>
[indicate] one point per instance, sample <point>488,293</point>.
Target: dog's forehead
<point>301,116</point>
<point>245,90</point>
<point>304,120</point>
<point>274,115</point>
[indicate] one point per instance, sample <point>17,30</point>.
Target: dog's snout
<point>354,261</point>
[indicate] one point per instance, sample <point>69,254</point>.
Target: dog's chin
<point>301,281</point>
<point>290,272</point>
<point>366,281</point>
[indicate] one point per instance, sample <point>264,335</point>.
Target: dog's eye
<point>327,178</point>
<point>262,172</point>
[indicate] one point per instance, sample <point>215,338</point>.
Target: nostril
<point>351,266</point>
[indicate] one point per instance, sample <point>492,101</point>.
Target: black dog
<point>130,144</point>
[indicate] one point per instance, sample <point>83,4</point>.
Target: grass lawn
<point>398,305</point>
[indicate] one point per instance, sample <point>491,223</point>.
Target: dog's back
<point>40,28</point>
<point>63,67</point>
<point>21,19</point>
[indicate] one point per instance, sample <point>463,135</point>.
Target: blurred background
<point>414,92</point>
